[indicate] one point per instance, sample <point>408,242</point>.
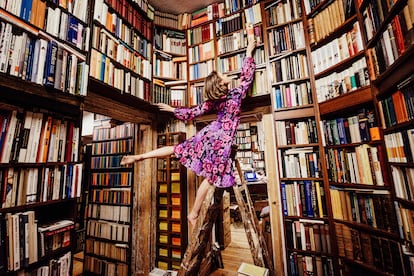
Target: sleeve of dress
<point>247,74</point>
<point>187,114</point>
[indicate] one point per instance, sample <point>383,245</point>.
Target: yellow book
<point>252,270</point>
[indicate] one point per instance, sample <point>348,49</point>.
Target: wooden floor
<point>233,255</point>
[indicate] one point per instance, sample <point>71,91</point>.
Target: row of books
<point>230,24</point>
<point>398,107</point>
<point>347,45</point>
<point>253,14</point>
<point>283,12</point>
<point>120,40</point>
<point>286,38</point>
<point>338,83</point>
<point>235,62</point>
<point>27,242</point>
<point>196,94</point>
<point>363,164</point>
<point>365,248</point>
<point>125,11</point>
<point>201,70</point>
<point>400,146</point>
<point>29,185</point>
<point>296,132</point>
<point>300,264</point>
<point>403,182</point>
<point>109,147</point>
<point>405,217</point>
<point>233,42</point>
<point>118,195</point>
<point>42,61</point>
<point>231,6</point>
<point>175,95</point>
<point>105,267</point>
<point>111,179</point>
<point>200,34</point>
<point>106,161</point>
<point>108,230</point>
<point>123,131</point>
<point>30,11</point>
<point>67,27</point>
<point>174,68</point>
<point>170,41</point>
<point>110,213</point>
<point>370,208</point>
<point>59,266</point>
<point>299,163</point>
<point>36,137</point>
<point>308,235</point>
<point>292,67</point>
<point>201,52</point>
<point>354,129</point>
<point>116,50</point>
<point>328,20</point>
<point>166,19</point>
<point>292,95</point>
<point>259,85</point>
<point>112,73</point>
<point>303,198</point>
<point>109,250</point>
<point>392,43</point>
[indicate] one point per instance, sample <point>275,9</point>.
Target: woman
<point>208,152</point>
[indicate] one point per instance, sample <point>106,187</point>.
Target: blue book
<point>278,97</point>
<point>50,71</point>
<point>341,131</point>
<point>284,203</point>
<point>72,29</point>
<point>26,10</point>
<point>308,198</point>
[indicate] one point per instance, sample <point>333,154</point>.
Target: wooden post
<point>201,232</point>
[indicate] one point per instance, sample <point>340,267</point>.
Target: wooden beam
<point>273,193</point>
<point>143,218</point>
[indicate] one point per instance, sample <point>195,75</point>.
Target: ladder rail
<point>201,234</point>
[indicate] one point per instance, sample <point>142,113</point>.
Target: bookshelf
<point>121,48</point>
<point>170,61</point>
<point>41,172</point>
<point>389,41</point>
<point>108,225</point>
<point>171,241</point>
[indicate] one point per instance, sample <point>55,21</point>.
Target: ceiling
<point>180,6</point>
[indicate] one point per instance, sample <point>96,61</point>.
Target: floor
<point>233,255</point>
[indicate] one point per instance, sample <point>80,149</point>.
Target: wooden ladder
<point>196,250</point>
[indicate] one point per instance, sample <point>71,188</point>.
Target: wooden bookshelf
<point>172,235</point>
<point>41,169</point>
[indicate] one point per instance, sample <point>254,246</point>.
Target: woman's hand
<point>251,42</point>
<point>165,107</point>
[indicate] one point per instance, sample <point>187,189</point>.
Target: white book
<point>34,135</point>
<point>16,241</point>
<point>41,61</point>
<point>5,47</point>
<point>8,142</point>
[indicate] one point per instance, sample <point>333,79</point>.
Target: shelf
<point>369,229</point>
<point>295,113</point>
<point>398,71</point>
<point>346,101</point>
<point>355,186</point>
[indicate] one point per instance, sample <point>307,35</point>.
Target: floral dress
<point>207,153</point>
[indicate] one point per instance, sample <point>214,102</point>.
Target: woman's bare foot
<point>129,159</point>
<point>192,218</point>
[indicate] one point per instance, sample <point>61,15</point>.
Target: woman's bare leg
<point>200,196</point>
<point>160,152</point>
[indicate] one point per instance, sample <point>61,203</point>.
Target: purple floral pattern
<point>207,153</point>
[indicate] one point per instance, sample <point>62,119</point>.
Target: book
<point>252,270</point>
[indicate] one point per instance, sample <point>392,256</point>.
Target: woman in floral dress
<point>208,152</point>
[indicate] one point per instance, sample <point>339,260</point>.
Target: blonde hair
<point>213,90</point>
